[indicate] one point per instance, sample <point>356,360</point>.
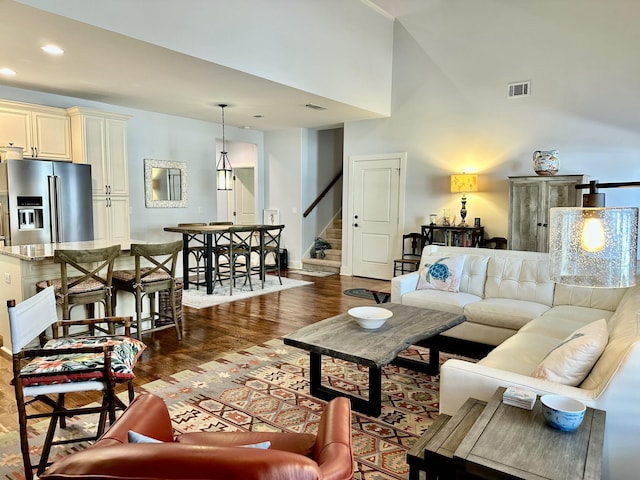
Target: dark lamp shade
<point>593,247</point>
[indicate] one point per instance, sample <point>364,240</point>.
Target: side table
<point>511,442</point>
<point>433,452</point>
<point>493,440</point>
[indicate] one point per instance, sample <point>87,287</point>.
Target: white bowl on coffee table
<point>370,317</point>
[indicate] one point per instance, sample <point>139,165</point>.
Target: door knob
<point>355,224</point>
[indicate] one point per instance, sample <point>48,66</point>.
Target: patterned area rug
<point>266,388</point>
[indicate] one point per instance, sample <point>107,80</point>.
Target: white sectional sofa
<point>511,303</point>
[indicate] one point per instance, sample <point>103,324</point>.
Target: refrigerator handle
<point>54,207</point>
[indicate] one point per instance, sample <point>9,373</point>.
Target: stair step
<point>321,265</point>
<point>334,232</point>
<point>333,254</point>
<point>335,243</point>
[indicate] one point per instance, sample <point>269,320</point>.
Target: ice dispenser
<point>30,213</point>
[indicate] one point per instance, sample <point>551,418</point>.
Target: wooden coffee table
<point>341,337</point>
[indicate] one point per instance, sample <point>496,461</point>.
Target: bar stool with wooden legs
<point>197,249</point>
<point>85,279</point>
<point>157,274</point>
<point>268,251</point>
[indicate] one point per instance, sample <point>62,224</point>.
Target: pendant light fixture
<point>223,170</point>
<point>594,245</point>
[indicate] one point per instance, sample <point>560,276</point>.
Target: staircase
<point>332,260</point>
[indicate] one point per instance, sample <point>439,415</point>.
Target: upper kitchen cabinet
<point>43,132</point>
<point>530,199</point>
<point>100,139</point>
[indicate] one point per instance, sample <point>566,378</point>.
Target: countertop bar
<point>35,253</point>
<point>22,266</point>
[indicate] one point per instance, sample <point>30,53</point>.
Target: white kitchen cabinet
<point>43,132</point>
<point>100,139</point>
<point>530,199</point>
<point>111,218</point>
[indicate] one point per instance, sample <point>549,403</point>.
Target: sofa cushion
<point>520,278</point>
<point>597,298</point>
<point>503,312</point>
<point>474,274</point>
<point>560,322</point>
<point>572,360</point>
<point>439,300</point>
<point>520,353</point>
<point>623,334</point>
<point>439,272</point>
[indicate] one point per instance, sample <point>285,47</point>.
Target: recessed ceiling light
<point>7,71</point>
<point>53,49</point>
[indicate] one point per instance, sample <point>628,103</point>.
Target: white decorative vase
<point>546,162</point>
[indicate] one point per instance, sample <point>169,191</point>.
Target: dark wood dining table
<point>208,231</point>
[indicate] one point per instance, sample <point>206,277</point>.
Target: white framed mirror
<point>165,184</point>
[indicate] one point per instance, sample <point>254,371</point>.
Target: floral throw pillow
<point>440,273</point>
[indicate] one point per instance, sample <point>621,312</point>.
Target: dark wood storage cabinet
<point>530,199</point>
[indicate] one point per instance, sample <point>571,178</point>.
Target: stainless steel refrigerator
<point>46,201</point>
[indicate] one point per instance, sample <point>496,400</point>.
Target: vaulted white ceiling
<point>110,66</point>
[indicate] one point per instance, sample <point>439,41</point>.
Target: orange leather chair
<point>211,455</point>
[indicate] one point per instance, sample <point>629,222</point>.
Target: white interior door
<point>244,196</point>
<point>375,186</point>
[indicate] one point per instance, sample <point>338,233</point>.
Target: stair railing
<point>322,195</point>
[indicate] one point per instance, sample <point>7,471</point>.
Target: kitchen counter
<point>35,253</point>
<point>22,266</point>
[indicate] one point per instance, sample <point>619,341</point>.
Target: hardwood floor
<point>211,332</point>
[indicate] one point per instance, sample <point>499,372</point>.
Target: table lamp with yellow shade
<point>464,183</point>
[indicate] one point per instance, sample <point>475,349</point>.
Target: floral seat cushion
<point>73,367</point>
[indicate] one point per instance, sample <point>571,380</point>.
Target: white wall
<point>451,114</point>
<point>283,166</point>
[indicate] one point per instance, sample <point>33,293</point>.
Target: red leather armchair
<point>211,455</point>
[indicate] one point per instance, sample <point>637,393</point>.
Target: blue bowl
<point>563,413</point>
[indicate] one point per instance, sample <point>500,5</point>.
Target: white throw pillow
<point>440,273</point>
<point>571,361</point>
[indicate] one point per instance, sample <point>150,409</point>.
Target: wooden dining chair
<point>155,271</point>
<point>45,373</point>
<point>412,245</point>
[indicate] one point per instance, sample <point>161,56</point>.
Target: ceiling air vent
<point>520,89</point>
<point>315,107</point>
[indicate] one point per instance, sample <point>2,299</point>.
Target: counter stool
<point>147,280</point>
<point>237,254</point>
<point>221,242</point>
<point>196,249</point>
<point>269,248</point>
<point>93,285</point>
